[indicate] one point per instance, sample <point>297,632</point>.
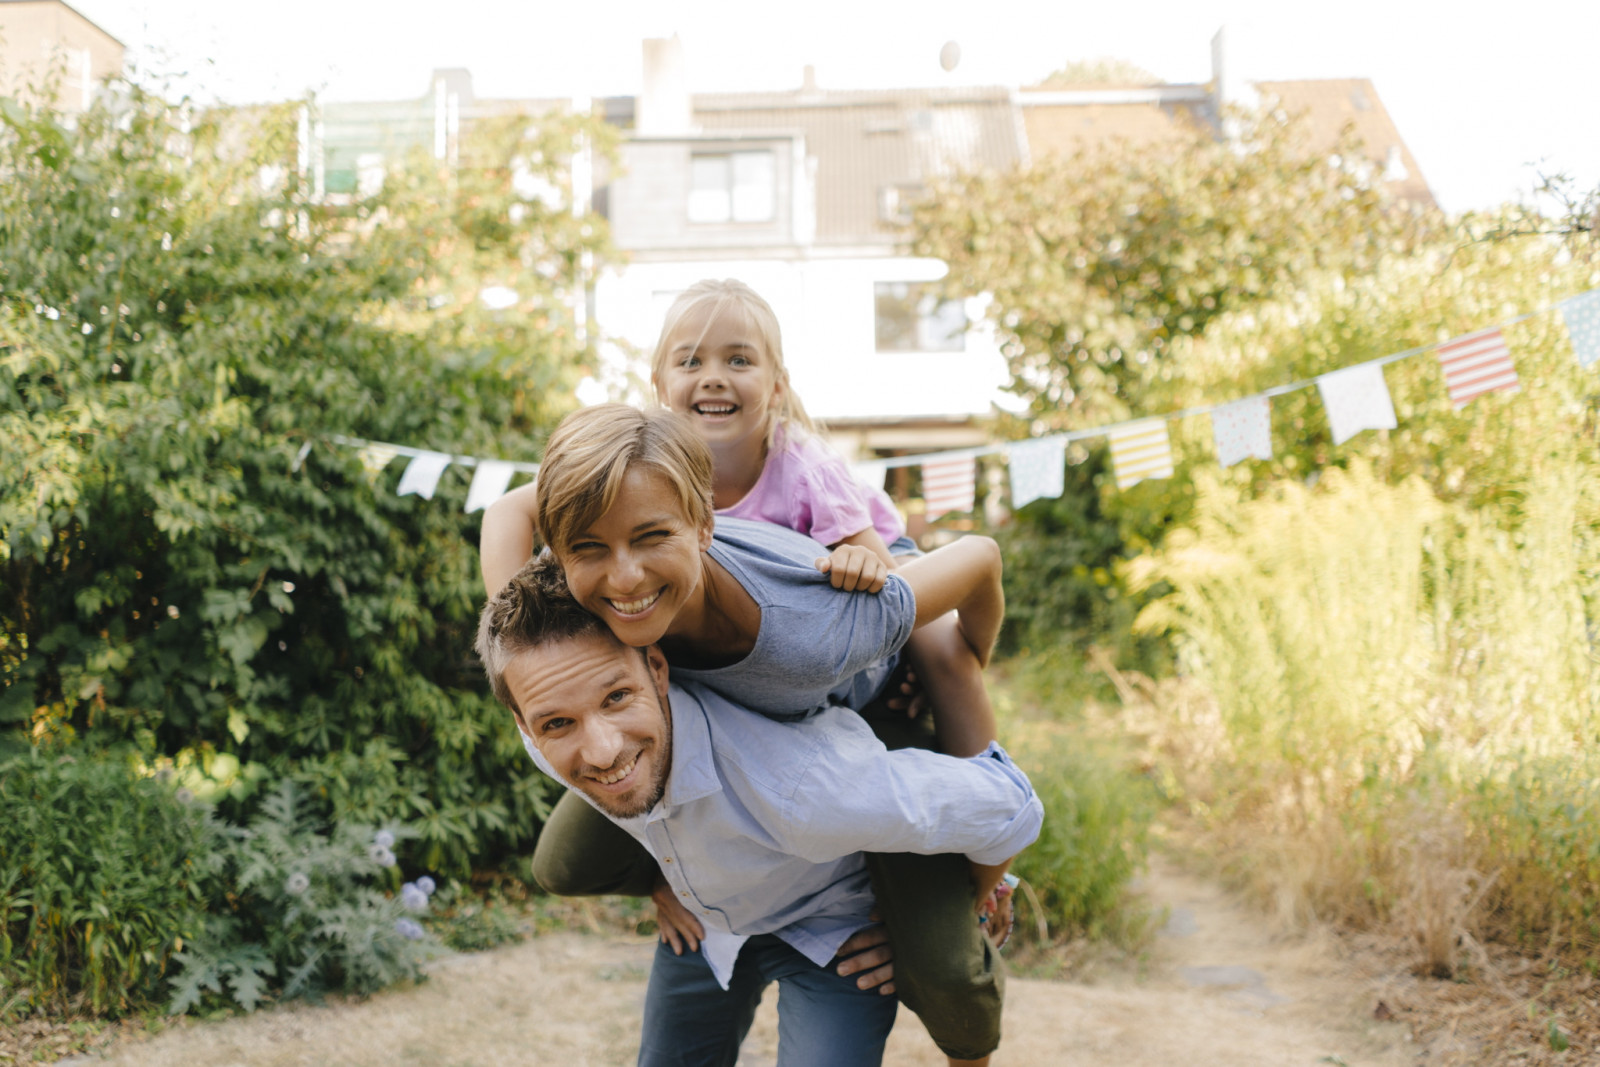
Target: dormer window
<point>732,187</point>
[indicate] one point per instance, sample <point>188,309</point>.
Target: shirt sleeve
<point>832,504</point>
<point>859,797</point>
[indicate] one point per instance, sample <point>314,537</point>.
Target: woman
<point>624,501</point>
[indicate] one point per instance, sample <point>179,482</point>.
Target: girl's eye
<point>739,361</point>
<point>689,362</point>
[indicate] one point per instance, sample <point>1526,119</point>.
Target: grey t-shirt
<point>817,645</point>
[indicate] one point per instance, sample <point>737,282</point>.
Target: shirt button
<point>667,860</point>
<point>683,892</point>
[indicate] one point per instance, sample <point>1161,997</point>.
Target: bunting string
<point>1356,398</point>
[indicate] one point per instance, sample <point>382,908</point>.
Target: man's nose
<point>602,743</point>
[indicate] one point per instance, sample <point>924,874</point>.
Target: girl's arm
<point>505,542</point>
<point>963,576</point>
<point>858,563</point>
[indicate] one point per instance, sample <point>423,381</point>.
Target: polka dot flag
<point>1582,314</point>
<point>1243,430</point>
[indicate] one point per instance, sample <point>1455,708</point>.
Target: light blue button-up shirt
<point>762,824</point>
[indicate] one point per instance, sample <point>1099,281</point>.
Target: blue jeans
<point>823,1019</point>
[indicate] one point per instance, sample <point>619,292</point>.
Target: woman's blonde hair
<point>593,450</point>
<point>730,295</point>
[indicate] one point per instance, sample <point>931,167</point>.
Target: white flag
<point>869,472</point>
<point>422,474</point>
<point>1243,430</point>
<point>1357,398</point>
<point>488,483</point>
<point>1037,469</point>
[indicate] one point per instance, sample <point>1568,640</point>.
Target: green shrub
<point>174,573</point>
<point>304,911</point>
<point>1096,828</point>
<point>103,877</point>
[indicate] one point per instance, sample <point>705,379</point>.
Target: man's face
<point>596,710</point>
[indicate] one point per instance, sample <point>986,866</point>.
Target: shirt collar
<point>694,769</point>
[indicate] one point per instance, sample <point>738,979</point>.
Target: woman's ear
<point>706,532</point>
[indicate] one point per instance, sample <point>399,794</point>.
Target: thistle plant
<point>309,912</point>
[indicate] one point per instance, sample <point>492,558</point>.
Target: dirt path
<point>1215,989</point>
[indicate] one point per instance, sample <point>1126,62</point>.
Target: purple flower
<point>413,898</point>
<point>383,839</point>
<point>426,885</point>
<point>381,855</point>
<point>296,884</point>
<point>408,929</point>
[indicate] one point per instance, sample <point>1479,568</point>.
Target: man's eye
<point>552,725</point>
<point>617,696</point>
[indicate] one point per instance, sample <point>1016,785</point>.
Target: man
<point>757,825</point>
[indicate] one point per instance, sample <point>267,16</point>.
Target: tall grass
<point>1398,699</point>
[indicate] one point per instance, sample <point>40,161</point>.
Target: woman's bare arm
<point>505,541</point>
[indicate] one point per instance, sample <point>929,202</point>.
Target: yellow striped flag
<point>1141,450</point>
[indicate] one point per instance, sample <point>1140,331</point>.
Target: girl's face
<point>638,564</point>
<point>718,373</point>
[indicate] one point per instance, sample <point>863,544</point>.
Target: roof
<point>1065,122</point>
<point>1330,104</point>
<point>63,3</point>
<point>866,142</point>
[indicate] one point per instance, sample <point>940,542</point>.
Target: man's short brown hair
<point>534,609</point>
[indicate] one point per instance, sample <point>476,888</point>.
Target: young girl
<point>719,360</point>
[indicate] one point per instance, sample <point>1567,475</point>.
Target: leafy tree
<point>180,320</point>
<point>1098,264</point>
<point>1102,70</point>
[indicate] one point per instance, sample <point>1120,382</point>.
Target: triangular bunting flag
<point>1477,363</point>
<point>1036,469</point>
<point>949,485</point>
<point>1243,430</point>
<point>422,474</point>
<point>1139,451</point>
<point>869,472</point>
<point>376,457</point>
<point>1582,315</point>
<point>1357,398</point>
<point>488,483</point>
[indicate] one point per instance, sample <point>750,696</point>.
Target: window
<point>732,187</point>
<point>912,318</point>
<point>895,202</point>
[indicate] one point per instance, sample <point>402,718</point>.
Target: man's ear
<point>657,663</point>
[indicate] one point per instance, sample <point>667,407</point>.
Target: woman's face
<point>639,563</point>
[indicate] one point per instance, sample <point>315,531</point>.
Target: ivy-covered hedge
<point>179,321</point>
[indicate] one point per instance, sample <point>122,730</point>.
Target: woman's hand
<point>677,927</point>
<point>854,569</point>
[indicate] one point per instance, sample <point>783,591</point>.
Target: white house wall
<point>826,310</point>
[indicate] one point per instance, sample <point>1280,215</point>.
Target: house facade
<point>40,39</point>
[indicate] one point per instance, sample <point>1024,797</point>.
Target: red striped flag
<point>949,485</point>
<point>1477,363</point>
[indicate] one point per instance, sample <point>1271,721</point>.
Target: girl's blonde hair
<point>729,295</point>
<point>592,451</point>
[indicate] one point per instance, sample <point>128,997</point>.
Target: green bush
<point>104,875</point>
<point>180,317</point>
<point>1096,830</point>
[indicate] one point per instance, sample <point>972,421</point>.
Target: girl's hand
<point>677,927</point>
<point>854,569</point>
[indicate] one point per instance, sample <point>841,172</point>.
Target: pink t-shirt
<point>806,486</point>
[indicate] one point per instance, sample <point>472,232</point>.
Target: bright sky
<point>1478,91</point>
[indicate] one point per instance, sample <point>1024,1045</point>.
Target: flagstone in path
<point>1216,989</point>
